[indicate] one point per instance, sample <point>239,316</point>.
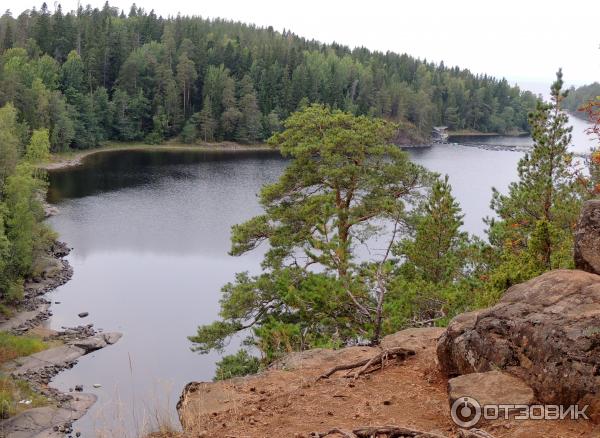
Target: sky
<point>523,40</point>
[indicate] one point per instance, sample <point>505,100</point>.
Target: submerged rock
<point>545,331</point>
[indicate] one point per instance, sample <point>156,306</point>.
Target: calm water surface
<point>150,235</point>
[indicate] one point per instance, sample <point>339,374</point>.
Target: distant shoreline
<point>75,158</point>
<point>484,134</point>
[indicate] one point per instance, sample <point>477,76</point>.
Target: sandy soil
<point>281,403</point>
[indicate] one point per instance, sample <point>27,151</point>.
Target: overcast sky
<point>522,40</point>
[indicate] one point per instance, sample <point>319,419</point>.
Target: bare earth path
<point>289,402</point>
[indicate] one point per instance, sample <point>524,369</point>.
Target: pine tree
<point>533,230</point>
<point>436,254</point>
<point>206,122</point>
<point>186,75</point>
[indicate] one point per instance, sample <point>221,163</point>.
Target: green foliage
<point>12,391</point>
<point>93,75</point>
<point>22,234</point>
<point>38,149</point>
<point>237,365</point>
<point>23,217</point>
<point>533,230</point>
<point>437,254</point>
<point>12,346</point>
<point>9,141</point>
<point>344,181</point>
<point>578,97</point>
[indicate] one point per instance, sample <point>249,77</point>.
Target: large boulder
<point>491,388</point>
<point>587,238</point>
<point>545,331</point>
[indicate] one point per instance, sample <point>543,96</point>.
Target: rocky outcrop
<point>98,341</point>
<point>545,331</point>
<point>587,238</point>
<point>290,400</point>
<point>491,388</point>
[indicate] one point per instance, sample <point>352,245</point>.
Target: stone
<point>90,344</point>
<point>59,356</point>
<point>545,331</point>
<point>83,314</point>
<point>112,337</point>
<point>587,238</point>
<point>491,388</point>
<point>47,421</point>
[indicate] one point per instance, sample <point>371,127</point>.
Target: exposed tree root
<point>474,433</point>
<point>368,365</point>
<point>377,432</point>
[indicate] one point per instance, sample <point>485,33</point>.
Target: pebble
<point>83,314</point>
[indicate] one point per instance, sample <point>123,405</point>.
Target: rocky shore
<point>38,369</point>
<point>76,159</point>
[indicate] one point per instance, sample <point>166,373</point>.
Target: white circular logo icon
<point>465,412</point>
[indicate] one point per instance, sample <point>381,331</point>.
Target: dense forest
<point>579,97</point>
<point>24,238</point>
<point>99,74</point>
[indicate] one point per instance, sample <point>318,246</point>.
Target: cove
<point>150,235</point>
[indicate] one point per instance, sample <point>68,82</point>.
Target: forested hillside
<point>578,97</point>
<point>98,74</point>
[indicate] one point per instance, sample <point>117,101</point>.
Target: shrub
<point>237,365</point>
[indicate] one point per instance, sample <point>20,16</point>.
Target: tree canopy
<point>95,74</point>
<point>334,222</point>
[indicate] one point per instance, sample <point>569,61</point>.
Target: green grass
<point>12,392</point>
<point>6,311</point>
<point>12,346</point>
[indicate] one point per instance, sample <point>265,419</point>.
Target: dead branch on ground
<point>378,431</point>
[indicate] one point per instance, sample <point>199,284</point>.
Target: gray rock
<point>587,238</point>
<point>47,421</point>
<point>59,356</point>
<point>22,318</point>
<point>491,388</point>
<point>545,331</point>
<point>90,344</point>
<point>111,337</point>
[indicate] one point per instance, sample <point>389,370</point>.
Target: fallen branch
<point>376,431</point>
<point>375,362</point>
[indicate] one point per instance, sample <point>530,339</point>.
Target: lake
<point>150,235</point>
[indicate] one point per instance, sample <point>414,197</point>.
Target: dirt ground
<point>290,402</point>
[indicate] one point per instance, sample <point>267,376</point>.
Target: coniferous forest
<point>579,97</point>
<point>104,74</point>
